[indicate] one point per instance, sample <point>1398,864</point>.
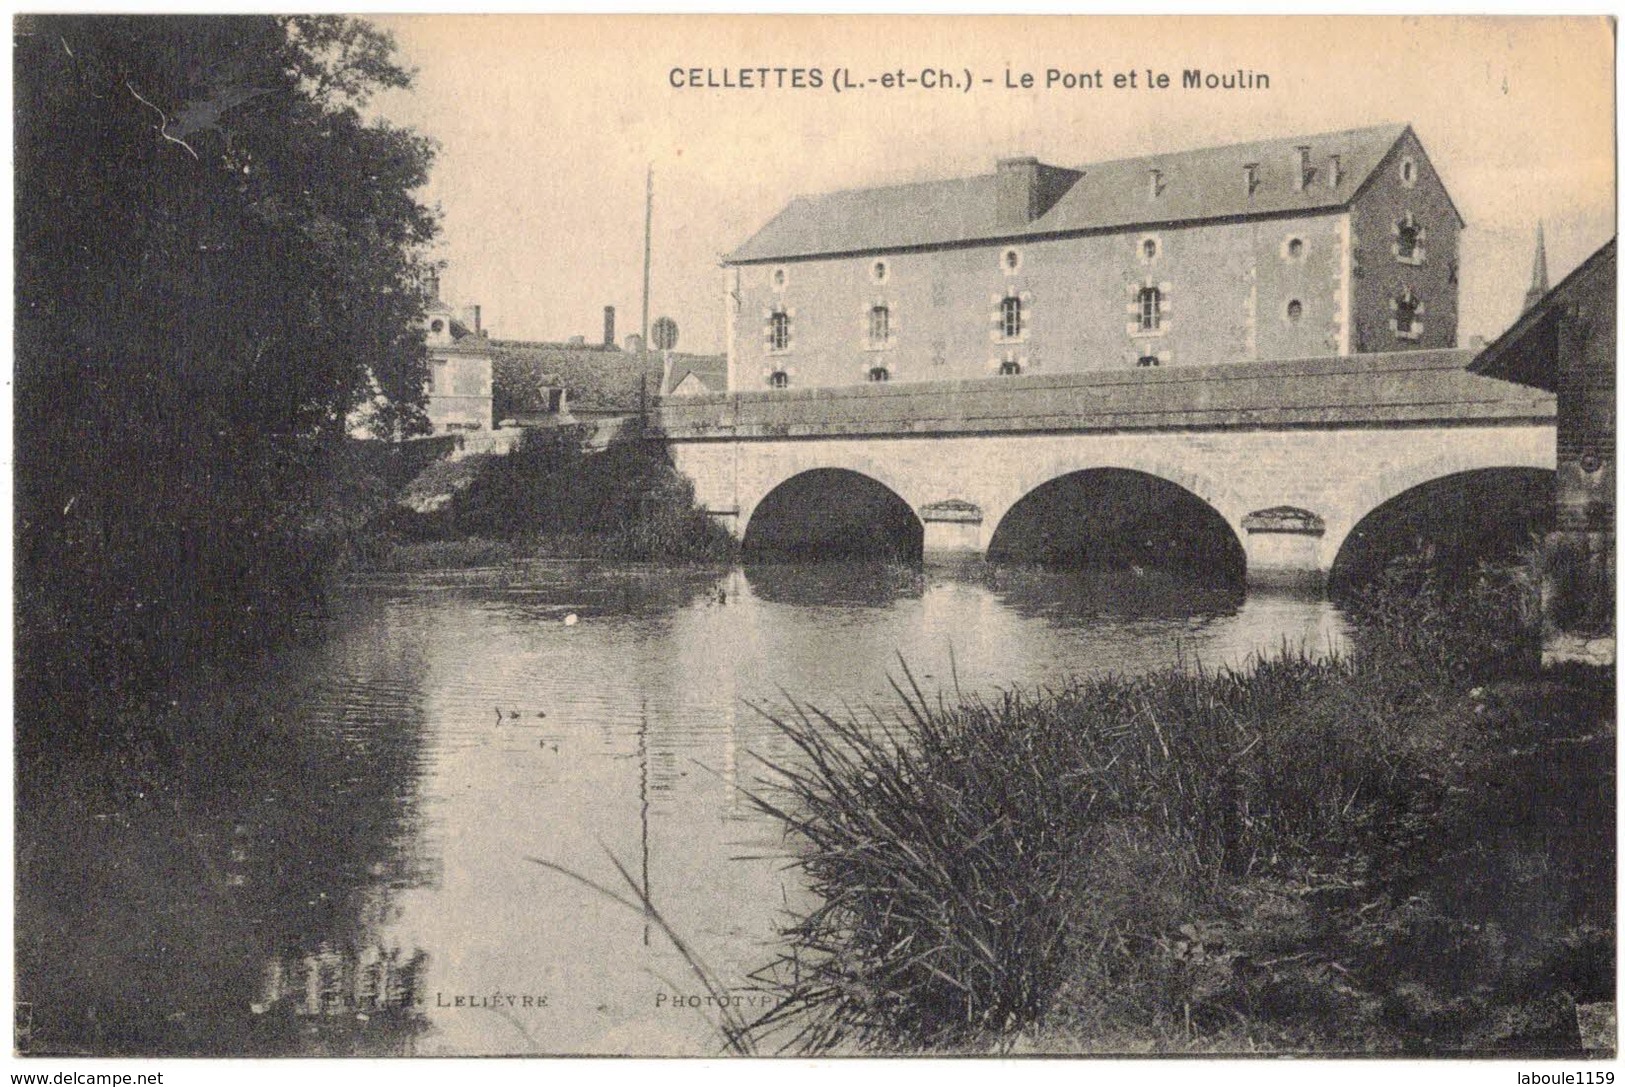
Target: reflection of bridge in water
<point>1285,468</point>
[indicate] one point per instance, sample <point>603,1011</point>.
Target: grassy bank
<point>1406,850</point>
<point>550,498</point>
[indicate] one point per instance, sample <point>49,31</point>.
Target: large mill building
<point>1333,244</point>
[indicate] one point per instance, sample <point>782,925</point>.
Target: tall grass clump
<point>1308,854</point>
<point>965,855</point>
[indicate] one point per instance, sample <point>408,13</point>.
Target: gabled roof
<point>599,379</point>
<point>711,371</point>
<point>1207,183</point>
<point>1527,352</point>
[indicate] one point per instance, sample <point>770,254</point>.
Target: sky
<point>547,125</point>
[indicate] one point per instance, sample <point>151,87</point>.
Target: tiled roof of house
<point>598,379</point>
<point>1207,183</point>
<point>1528,351</point>
<point>710,370</point>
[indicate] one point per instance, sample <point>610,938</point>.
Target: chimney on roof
<point>1250,176</point>
<point>1026,189</point>
<point>476,320</point>
<point>434,285</point>
<point>1306,172</point>
<point>609,326</point>
<point>1334,167</point>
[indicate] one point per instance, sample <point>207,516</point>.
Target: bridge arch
<point>1456,518</point>
<point>1110,515</point>
<point>1349,503</point>
<point>832,513</point>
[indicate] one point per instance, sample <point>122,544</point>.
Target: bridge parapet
<point>1398,389</point>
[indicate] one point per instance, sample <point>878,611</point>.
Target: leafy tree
<point>217,255</point>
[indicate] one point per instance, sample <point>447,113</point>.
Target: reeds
<point>1185,860</point>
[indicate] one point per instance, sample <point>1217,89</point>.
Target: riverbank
<point>1405,850</point>
<point>549,498</point>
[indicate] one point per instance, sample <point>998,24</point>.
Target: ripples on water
<point>343,866</point>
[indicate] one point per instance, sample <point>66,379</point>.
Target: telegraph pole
<point>648,223</point>
<point>643,344</point>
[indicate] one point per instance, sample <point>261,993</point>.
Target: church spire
<point>1538,285</point>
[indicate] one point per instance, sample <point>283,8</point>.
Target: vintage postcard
<point>822,536</point>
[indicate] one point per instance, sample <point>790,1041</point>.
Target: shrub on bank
<point>1356,854</point>
<point>552,497</point>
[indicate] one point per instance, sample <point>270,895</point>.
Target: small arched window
<point>1009,368</point>
<point>1405,311</point>
<point>1148,248</point>
<point>1410,239</point>
<point>778,380</point>
<point>1150,307</point>
<point>879,326</point>
<point>1294,248</point>
<point>879,373</point>
<point>437,325</point>
<point>778,331</point>
<point>1294,311</point>
<point>1010,318</point>
<point>1148,360</point>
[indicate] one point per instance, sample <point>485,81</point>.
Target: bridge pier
<point>953,531</point>
<point>1283,547</point>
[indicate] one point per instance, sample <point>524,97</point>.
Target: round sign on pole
<point>664,333</point>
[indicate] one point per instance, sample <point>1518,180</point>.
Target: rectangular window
<point>1150,309</point>
<point>1010,319</point>
<point>778,335</point>
<point>879,326</point>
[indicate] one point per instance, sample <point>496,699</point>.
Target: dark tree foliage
<point>215,249</point>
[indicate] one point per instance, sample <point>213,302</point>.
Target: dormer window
<point>1334,170</point>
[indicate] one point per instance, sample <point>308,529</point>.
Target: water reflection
<point>339,857</point>
<point>835,584</point>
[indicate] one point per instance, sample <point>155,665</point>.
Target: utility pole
<point>648,223</point>
<point>643,343</point>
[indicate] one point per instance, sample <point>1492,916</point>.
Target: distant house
<point>696,375</point>
<point>586,382</point>
<point>1565,343</point>
<point>460,380</point>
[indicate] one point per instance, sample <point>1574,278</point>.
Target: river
<point>349,864</point>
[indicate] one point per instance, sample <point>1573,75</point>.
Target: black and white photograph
<point>1026,538</point>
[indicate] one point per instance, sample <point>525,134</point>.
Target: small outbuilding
<point>1565,343</point>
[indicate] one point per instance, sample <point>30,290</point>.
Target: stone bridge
<point>1292,455</point>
